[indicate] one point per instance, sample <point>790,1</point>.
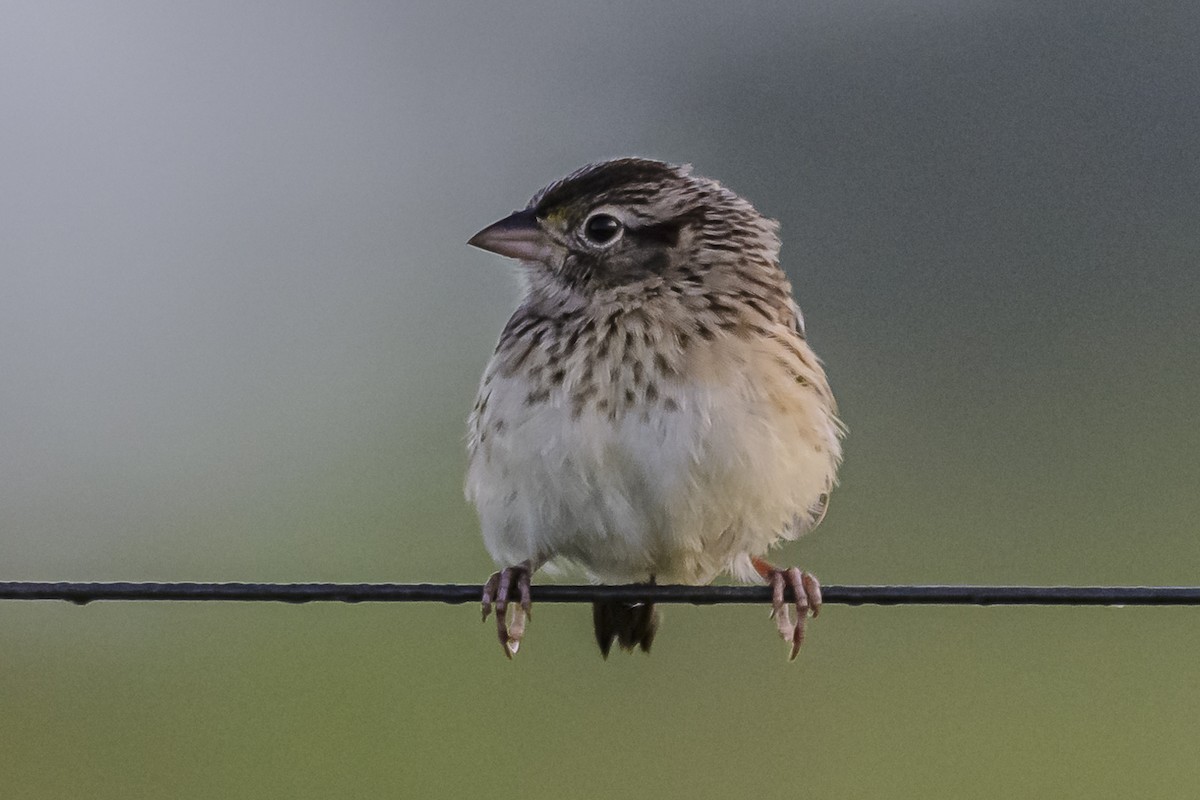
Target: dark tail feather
<point>630,624</point>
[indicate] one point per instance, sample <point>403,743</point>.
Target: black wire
<point>82,593</point>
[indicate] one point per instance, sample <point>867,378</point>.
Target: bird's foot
<point>510,616</point>
<point>806,590</point>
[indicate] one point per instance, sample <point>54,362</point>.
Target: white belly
<point>680,494</point>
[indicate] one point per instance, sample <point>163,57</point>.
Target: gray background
<point>240,329</point>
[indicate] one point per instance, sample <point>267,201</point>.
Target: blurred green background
<point>240,330</point>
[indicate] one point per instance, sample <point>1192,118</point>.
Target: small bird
<point>652,411</point>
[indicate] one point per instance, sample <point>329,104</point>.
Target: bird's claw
<point>510,617</point>
<point>807,593</point>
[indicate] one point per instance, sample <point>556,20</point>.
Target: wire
<point>82,593</point>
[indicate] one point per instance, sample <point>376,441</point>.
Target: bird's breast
<point>647,456</point>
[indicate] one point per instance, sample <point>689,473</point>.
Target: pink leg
<point>806,590</point>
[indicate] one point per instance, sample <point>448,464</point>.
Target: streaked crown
<point>616,223</point>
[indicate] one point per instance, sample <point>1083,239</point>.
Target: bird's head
<point>624,222</point>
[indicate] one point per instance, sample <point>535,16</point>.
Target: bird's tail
<point>630,624</point>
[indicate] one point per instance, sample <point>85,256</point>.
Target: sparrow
<point>653,411</point>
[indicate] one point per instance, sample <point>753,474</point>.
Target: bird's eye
<point>601,228</point>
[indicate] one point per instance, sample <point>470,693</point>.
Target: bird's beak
<point>516,236</point>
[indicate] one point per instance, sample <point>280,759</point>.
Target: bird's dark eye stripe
<point>665,233</point>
